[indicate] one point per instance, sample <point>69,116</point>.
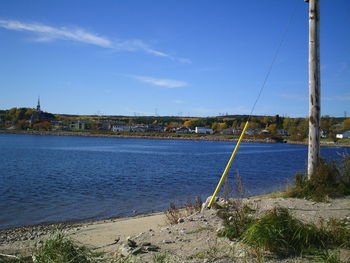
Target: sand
<point>193,240</point>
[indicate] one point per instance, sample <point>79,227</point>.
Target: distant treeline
<point>295,128</point>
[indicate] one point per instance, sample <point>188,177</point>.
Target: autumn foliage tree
<point>22,124</point>
<point>45,125</point>
<point>346,124</point>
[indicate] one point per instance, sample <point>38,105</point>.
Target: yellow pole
<point>228,165</point>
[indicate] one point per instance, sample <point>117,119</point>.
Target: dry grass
<point>174,213</point>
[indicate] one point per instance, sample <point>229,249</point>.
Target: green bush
<point>328,180</point>
<point>283,234</point>
<point>235,222</point>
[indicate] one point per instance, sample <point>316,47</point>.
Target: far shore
<point>170,137</point>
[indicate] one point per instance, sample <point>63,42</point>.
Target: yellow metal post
<point>228,165</point>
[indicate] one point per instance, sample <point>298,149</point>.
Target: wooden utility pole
<point>314,86</point>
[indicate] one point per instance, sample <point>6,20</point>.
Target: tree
<point>42,126</point>
<point>346,124</point>
<point>187,123</point>
<point>22,124</point>
<point>219,126</point>
<point>273,128</point>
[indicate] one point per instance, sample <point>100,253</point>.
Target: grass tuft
<point>282,234</point>
<point>339,232</point>
<point>236,221</point>
<point>7,259</point>
<point>59,249</point>
<point>331,257</point>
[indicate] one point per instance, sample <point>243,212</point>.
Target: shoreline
<point>195,233</point>
<point>75,223</point>
<point>185,138</point>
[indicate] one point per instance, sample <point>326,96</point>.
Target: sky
<point>170,58</point>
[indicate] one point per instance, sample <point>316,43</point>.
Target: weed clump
<point>62,250</point>
<point>328,180</point>
<point>235,222</point>
<point>281,233</point>
<point>339,232</point>
<point>237,217</point>
<point>174,213</point>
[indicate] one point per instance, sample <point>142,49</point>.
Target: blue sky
<point>174,57</point>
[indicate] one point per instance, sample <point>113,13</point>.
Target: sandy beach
<point>195,235</point>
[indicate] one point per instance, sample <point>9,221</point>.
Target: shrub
<point>236,222</point>
<point>328,180</point>
<point>283,234</point>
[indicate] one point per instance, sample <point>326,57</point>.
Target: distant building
<point>56,124</point>
<point>282,132</point>
<point>104,125</point>
<point>229,131</point>
<point>37,114</point>
<point>344,135</point>
<point>202,130</point>
<point>155,128</point>
<point>323,134</point>
<point>249,132</point>
<point>183,130</point>
<point>121,128</point>
<point>77,125</point>
<point>40,116</point>
<point>265,132</point>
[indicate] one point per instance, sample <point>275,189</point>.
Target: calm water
<point>52,178</point>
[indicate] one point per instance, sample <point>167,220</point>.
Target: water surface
<point>62,178</point>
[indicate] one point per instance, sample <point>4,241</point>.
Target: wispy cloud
<point>47,33</point>
<point>178,101</point>
<point>168,83</point>
<point>290,96</point>
<point>344,97</point>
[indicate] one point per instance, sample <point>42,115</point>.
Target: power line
<point>274,58</point>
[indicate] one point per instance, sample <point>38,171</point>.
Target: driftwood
<point>9,256</point>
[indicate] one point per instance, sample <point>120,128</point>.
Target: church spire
<point>38,106</point>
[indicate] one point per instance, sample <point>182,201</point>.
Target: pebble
<point>124,250</point>
<point>131,243</point>
<point>167,242</point>
<point>152,248</point>
<point>180,220</point>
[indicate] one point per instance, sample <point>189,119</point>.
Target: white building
<point>344,135</point>
<point>203,130</point>
<point>121,128</point>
